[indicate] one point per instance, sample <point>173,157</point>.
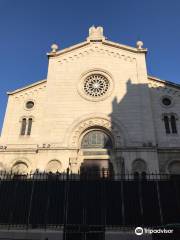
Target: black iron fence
<point>41,200</point>
<point>104,174</point>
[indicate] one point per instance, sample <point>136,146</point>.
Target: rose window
<point>96,85</point>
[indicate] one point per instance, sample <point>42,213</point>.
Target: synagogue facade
<point>98,107</point>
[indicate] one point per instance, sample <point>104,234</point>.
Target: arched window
<point>20,170</point>
<point>29,126</point>
<point>26,126</point>
<point>54,166</point>
<point>174,168</point>
<point>96,139</point>
<point>23,126</point>
<point>20,167</point>
<point>173,124</point>
<point>170,123</point>
<point>139,168</point>
<point>166,124</point>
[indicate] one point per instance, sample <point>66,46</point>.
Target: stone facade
<point>97,85</point>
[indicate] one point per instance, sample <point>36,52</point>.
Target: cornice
<point>163,82</point>
<point>103,42</point>
<point>27,87</point>
<point>124,47</point>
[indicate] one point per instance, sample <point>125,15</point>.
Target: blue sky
<point>29,27</point>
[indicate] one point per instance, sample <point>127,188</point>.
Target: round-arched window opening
<point>96,139</point>
<point>174,167</point>
<point>20,167</point>
<point>54,166</point>
<point>166,101</point>
<point>139,166</point>
<point>29,104</point>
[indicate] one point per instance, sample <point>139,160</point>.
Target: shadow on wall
<point>131,127</point>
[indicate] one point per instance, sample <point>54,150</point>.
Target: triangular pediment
<point>102,44</point>
<point>96,37</point>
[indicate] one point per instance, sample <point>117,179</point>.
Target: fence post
<point>66,199</point>
<point>141,198</point>
<point>30,203</point>
<point>159,202</point>
<point>13,200</point>
<point>122,202</point>
<point>67,174</point>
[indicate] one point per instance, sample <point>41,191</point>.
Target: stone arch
<point>26,116</point>
<point>20,167</point>
<point>81,125</point>
<point>22,160</point>
<point>139,166</point>
<point>174,167</point>
<point>53,166</point>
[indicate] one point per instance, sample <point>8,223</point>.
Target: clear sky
<point>29,27</point>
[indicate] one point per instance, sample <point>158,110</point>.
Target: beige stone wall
<point>34,159</point>
<point>131,113</point>
<point>158,91</point>
<point>16,111</point>
<point>128,103</point>
<point>167,157</point>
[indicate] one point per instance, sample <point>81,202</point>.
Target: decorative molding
<point>161,87</point>
<point>42,82</point>
<point>21,159</point>
<point>96,122</point>
<point>29,94</point>
<point>93,50</point>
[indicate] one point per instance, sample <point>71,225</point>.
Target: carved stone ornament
<point>95,33</point>
<point>95,85</point>
<point>95,122</point>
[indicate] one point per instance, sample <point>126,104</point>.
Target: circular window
<point>166,101</point>
<point>96,85</point>
<point>29,104</point>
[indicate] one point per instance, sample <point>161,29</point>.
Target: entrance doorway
<point>94,169</point>
<point>96,146</point>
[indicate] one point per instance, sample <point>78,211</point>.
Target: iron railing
<point>104,174</point>
<point>43,200</point>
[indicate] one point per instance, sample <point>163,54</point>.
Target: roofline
<point>105,42</point>
<point>68,49</point>
<point>125,47</point>
<point>164,81</point>
<point>27,87</point>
